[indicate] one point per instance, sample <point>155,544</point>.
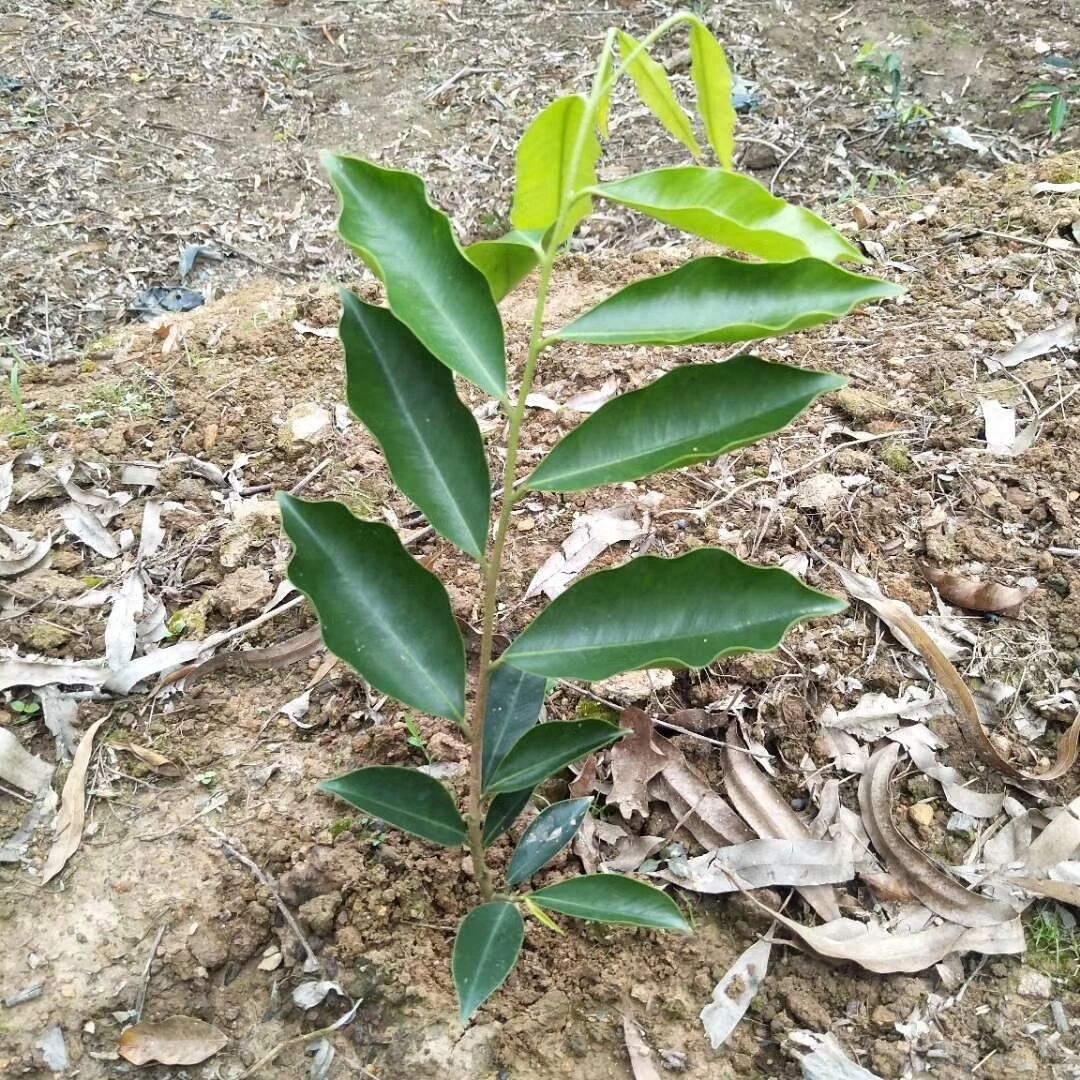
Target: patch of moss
<point>48,636</point>
<point>896,457</point>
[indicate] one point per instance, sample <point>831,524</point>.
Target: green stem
<point>492,566</point>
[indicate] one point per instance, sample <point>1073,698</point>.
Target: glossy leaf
<point>380,610</point>
<point>405,798</point>
<point>486,949</point>
<point>612,898</point>
<point>507,261</point>
<point>731,210</point>
<point>543,751</point>
<point>711,74</point>
<point>545,837</point>
<point>692,414</point>
<point>431,287</point>
<point>513,705</point>
<point>716,299</point>
<point>407,400</point>
<point>653,612</point>
<point>504,810</point>
<point>546,170</point>
<point>654,89</point>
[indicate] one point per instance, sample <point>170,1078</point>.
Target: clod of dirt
<point>243,592</point>
<point>862,406</point>
<point>306,425</point>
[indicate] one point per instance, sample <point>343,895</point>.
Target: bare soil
<point>379,909</point>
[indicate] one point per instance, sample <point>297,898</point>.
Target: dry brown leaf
<point>975,595</point>
<point>768,814</point>
<point>282,654</point>
<point>641,1057</point>
<point>909,632</point>
<point>19,767</point>
<point>158,762</point>
<point>68,825</point>
<point>703,813</point>
<point>635,760</point>
<point>1064,892</point>
<point>179,1040</point>
<point>932,886</point>
<point>874,949</point>
<point>887,887</point>
<point>732,995</point>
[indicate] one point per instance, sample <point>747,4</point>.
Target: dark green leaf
<point>485,951</point>
<point>546,170</point>
<point>548,834</point>
<point>430,285</point>
<point>505,262</point>
<point>513,706</point>
<point>712,79</point>
<point>380,610</point>
<point>716,299</point>
<point>655,91</point>
<point>731,210</point>
<point>405,798</point>
<point>692,414</point>
<point>612,898</point>
<point>431,440</point>
<point>503,812</point>
<point>542,751</point>
<point>653,612</point>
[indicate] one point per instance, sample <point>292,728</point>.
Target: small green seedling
<point>390,618</point>
<point>416,736</point>
<point>25,708</point>
<point>1055,99</point>
<point>887,68</point>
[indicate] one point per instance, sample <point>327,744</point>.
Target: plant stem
<point>537,344</point>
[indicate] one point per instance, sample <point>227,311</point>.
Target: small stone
<point>208,947</point>
<point>242,592</point>
<point>882,1016</point>
<point>921,814</point>
<point>1034,984</point>
<point>807,1010</point>
<point>819,492</point>
<point>306,424</point>
<point>271,962</point>
<point>634,686</point>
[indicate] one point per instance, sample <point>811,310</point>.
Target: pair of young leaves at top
<point>390,618</point>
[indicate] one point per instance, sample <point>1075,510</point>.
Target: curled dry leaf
<point>641,1056</point>
<point>81,523</point>
<point>932,886</point>
<point>1057,337</point>
<point>875,949</point>
<point>703,813</point>
<point>179,1040</point>
<point>158,762</point>
<point>876,714</point>
<point>975,595</point>
<point>634,762</point>
<point>68,825</point>
<point>20,768</point>
<point>23,552</point>
<point>732,995</point>
<point>15,671</point>
<point>910,633</point>
<point>769,815</point>
<point>761,864</point>
<point>824,1058</point>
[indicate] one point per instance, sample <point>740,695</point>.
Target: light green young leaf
<point>654,612</point>
<point>692,414</point>
<point>612,898</point>
<point>431,287</point>
<point>513,705</point>
<point>507,261</point>
<point>731,210</point>
<point>545,750</point>
<point>485,951</point>
<point>712,79</point>
<point>603,111</point>
<point>654,89</point>
<point>405,798</point>
<point>716,299</point>
<point>546,170</point>
<point>380,610</point>
<point>431,440</point>
<point>545,837</point>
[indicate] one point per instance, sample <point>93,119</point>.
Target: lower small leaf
<point>542,751</point>
<point>545,837</point>
<point>612,898</point>
<point>406,798</point>
<point>503,812</point>
<point>485,951</point>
